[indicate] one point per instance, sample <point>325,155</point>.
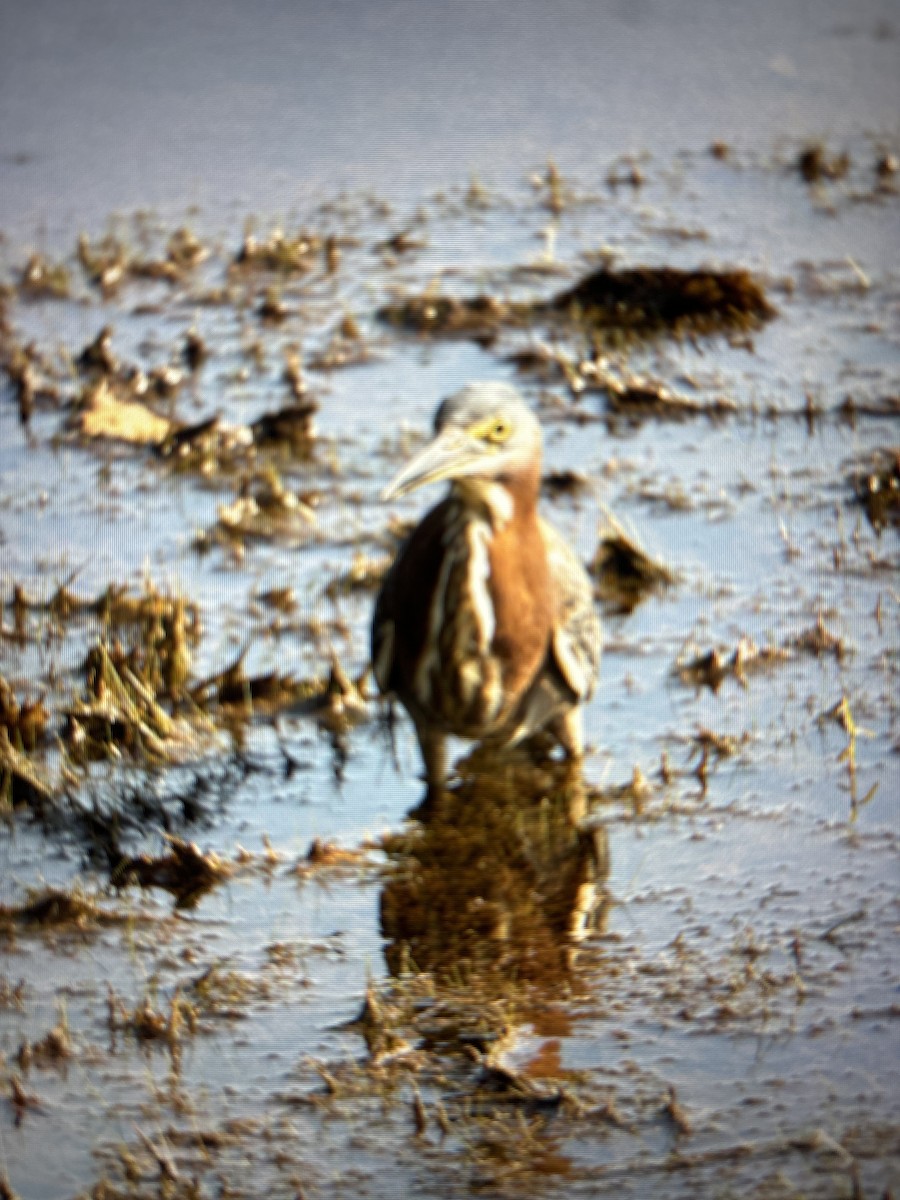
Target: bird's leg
<point>434,757</point>
<point>567,729</point>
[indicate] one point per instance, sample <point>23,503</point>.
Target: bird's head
<point>484,433</point>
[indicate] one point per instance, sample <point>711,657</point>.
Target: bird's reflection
<point>502,877</point>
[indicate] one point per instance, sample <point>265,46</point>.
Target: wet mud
<point>239,956</point>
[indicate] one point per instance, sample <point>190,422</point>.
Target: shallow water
<point>749,956</point>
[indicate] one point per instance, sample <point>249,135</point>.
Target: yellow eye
<point>498,430</point>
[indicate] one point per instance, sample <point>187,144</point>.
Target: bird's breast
<point>458,676</point>
<point>487,628</point>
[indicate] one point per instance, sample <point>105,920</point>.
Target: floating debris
<point>402,242</point>
<point>887,166</point>
<point>41,279</point>
<point>54,1047</point>
<point>30,378</point>
<point>885,406</point>
<point>246,695</point>
<point>833,277</point>
<point>654,300</point>
<point>629,395</point>
<point>272,307</point>
<point>226,994</point>
<point>25,721</point>
<point>102,413</point>
<point>23,1101</point>
<point>115,605</point>
<point>713,747</point>
<point>640,302</point>
<point>185,871</point>
<point>345,348</point>
<point>877,489</point>
<point>122,711</point>
<point>293,374</point>
<point>12,995</point>
<point>841,714</point>
<point>293,426</point>
<point>712,668</point>
<point>555,194</point>
<point>210,446</point>
<point>337,703</point>
<point>365,574</point>
<point>497,1083</point>
<point>260,694</point>
<point>331,254</point>
<point>819,641</point>
<point>267,509</point>
<point>105,263</point>
<point>282,599</point>
<point>23,378</point>
<point>633,794</point>
<point>195,350</point>
<point>706,670</point>
<point>638,397</point>
<point>150,1024</point>
<point>815,164</point>
<point>164,381</point>
<point>185,250</point>
<point>548,363</point>
<point>54,908</point>
<point>625,172</point>
<point>22,783</point>
<point>565,483</point>
<point>326,854</point>
<point>342,704</point>
<point>278,252</point>
<point>99,355</point>
<point>480,318</point>
<point>625,573</point>
<point>675,1113</point>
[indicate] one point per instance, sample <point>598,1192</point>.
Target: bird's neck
<point>501,502</point>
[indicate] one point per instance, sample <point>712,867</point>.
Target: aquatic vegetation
<point>480,318</point>
<point>815,163</point>
<point>713,667</point>
<point>102,413</point>
<point>279,252</point>
<point>186,391</point>
<point>638,302</point>
<point>25,721</point>
<point>653,300</point>
<point>42,279</point>
<point>877,489</point>
<point>624,571</point>
<point>184,870</point>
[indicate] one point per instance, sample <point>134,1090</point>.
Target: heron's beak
<point>448,456</point>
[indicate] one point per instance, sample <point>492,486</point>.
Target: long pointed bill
<point>448,456</point>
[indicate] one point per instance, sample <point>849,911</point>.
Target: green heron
<point>485,626</point>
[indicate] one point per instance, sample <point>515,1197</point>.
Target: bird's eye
<point>498,430</point>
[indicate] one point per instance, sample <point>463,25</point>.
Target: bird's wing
<point>576,627</point>
<point>382,644</point>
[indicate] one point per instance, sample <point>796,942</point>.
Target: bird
<point>485,627</point>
